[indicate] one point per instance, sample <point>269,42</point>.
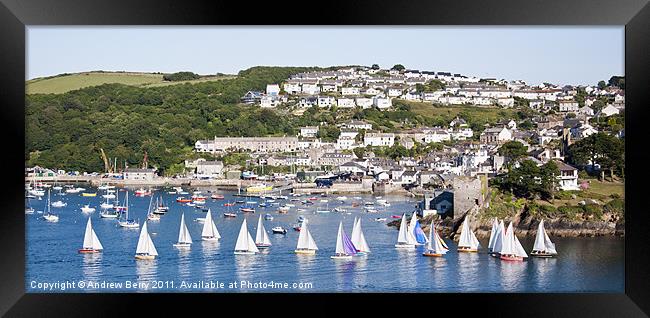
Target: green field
<point>65,83</point>
<point>485,113</point>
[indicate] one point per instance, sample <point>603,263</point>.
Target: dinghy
<point>87,209</point>
<point>511,249</point>
<point>184,238</point>
<point>268,217</point>
<point>405,238</point>
<point>358,239</point>
<point>279,230</point>
<point>345,249</point>
<point>91,243</point>
<point>261,237</point>
<point>306,243</point>
<point>58,204</point>
<point>210,232</point>
<point>245,244</point>
<point>145,249</point>
<point>434,245</point>
<point>49,216</point>
<point>543,246</point>
<point>468,241</point>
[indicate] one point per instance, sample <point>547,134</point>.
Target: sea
<point>53,264</point>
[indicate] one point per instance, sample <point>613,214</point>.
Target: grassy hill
<point>68,82</point>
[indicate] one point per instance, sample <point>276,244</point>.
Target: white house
<point>363,102</point>
<point>582,131</point>
<point>395,91</point>
<point>382,102</point>
<point>436,135</point>
<point>269,101</point>
<point>506,102</point>
<point>350,91</point>
<point>326,101</point>
<point>379,139</point>
<point>609,110</point>
<point>349,133</point>
<point>346,103</point>
<point>358,124</point>
<point>568,105</point>
<point>272,89</point>
<point>210,169</point>
<point>345,143</point>
<point>310,88</point>
<point>309,131</point>
<point>568,178</point>
<point>495,135</point>
<point>308,102</point>
<point>292,87</point>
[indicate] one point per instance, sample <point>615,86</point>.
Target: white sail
<point>542,241</point>
<point>508,244</point>
<point>358,239</point>
<point>467,237</point>
<point>90,238</point>
<point>498,238</point>
<point>305,241</point>
<point>439,248</point>
<point>402,237</point>
<point>339,240</point>
<point>550,246</point>
<point>411,230</point>
<point>519,250</point>
<point>244,240</point>
<point>183,233</point>
<point>209,229</point>
<point>145,244</point>
<point>431,238</point>
<point>261,237</point>
<point>493,233</point>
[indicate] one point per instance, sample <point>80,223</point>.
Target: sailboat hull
<point>467,250</point>
<point>431,255</point>
<point>145,257</point>
<point>404,245</point>
<point>244,253</point>
<point>511,258</point>
<point>261,246</point>
<point>306,252</point>
<point>541,254</point>
<point>182,245</point>
<point>209,238</point>
<point>130,225</point>
<point>88,250</point>
<point>343,257</point>
<point>108,216</point>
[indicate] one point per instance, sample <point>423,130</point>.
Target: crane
<point>107,165</point>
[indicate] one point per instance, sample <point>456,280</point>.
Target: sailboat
<point>145,249</point>
<point>435,247</point>
<point>358,239</point>
<point>210,232</point>
<point>127,222</point>
<point>511,249</point>
<point>416,230</point>
<point>49,216</point>
<point>91,242</point>
<point>261,237</point>
<point>493,233</point>
<point>405,238</point>
<point>152,216</point>
<point>306,243</point>
<point>184,238</point>
<point>468,241</point>
<point>245,244</point>
<point>543,246</point>
<point>498,239</point>
<point>345,249</point>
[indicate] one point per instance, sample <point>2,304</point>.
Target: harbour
<point>582,264</point>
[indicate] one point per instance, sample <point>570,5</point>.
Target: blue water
<point>583,264</point>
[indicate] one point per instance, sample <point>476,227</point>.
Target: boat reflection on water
<point>209,253</point>
<point>544,270</point>
<point>184,262</point>
<point>91,267</point>
<point>513,275</point>
<point>245,268</point>
<point>406,266</point>
<point>468,270</point>
<point>439,268</point>
<point>146,272</point>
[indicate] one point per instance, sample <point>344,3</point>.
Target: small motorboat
<point>283,209</point>
<point>29,211</point>
<point>247,210</point>
<point>183,200</point>
<point>262,205</point>
<point>229,215</point>
<point>396,216</point>
<point>109,215</point>
<point>279,230</point>
<point>240,201</point>
<point>337,209</point>
<point>342,198</point>
<point>323,211</point>
<point>312,199</point>
<point>190,204</point>
<point>106,206</point>
<point>228,204</point>
<point>297,227</point>
<point>217,196</point>
<point>200,220</point>
<point>142,192</point>
<point>268,217</point>
<point>58,204</point>
<point>89,194</point>
<point>153,217</point>
<point>380,219</point>
<point>87,209</point>
<point>301,218</point>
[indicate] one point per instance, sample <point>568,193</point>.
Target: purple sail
<point>348,247</point>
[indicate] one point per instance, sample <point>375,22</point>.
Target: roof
<point>138,170</point>
<point>563,166</point>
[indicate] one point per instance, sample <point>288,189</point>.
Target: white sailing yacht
<point>511,249</point>
<point>127,222</point>
<point>493,233</point>
<point>245,244</point>
<point>413,224</point>
<point>358,239</point>
<point>145,249</point>
<point>210,232</point>
<point>306,243</point>
<point>184,238</point>
<point>543,246</point>
<point>344,247</point>
<point>91,242</point>
<point>49,216</point>
<point>468,241</point>
<point>500,233</point>
<point>261,237</point>
<point>435,248</point>
<point>405,238</point>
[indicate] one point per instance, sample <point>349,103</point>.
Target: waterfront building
<point>212,169</point>
<point>138,174</point>
<point>254,144</point>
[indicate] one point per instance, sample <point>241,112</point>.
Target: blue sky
<point>562,55</point>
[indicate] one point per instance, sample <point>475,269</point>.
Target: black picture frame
<point>634,14</point>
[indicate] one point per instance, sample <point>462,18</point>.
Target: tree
<point>359,152</point>
<point>549,181</point>
<point>513,151</point>
<point>600,149</point>
<point>617,81</point>
<point>375,66</point>
<point>398,67</point>
<point>602,84</point>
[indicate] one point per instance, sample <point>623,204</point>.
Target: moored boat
<point>435,247</point>
<point>543,246</point>
<point>145,250</point>
<point>91,243</point>
<point>184,238</point>
<point>279,230</point>
<point>261,237</point>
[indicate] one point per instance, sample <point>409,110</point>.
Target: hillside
<point>68,82</point>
